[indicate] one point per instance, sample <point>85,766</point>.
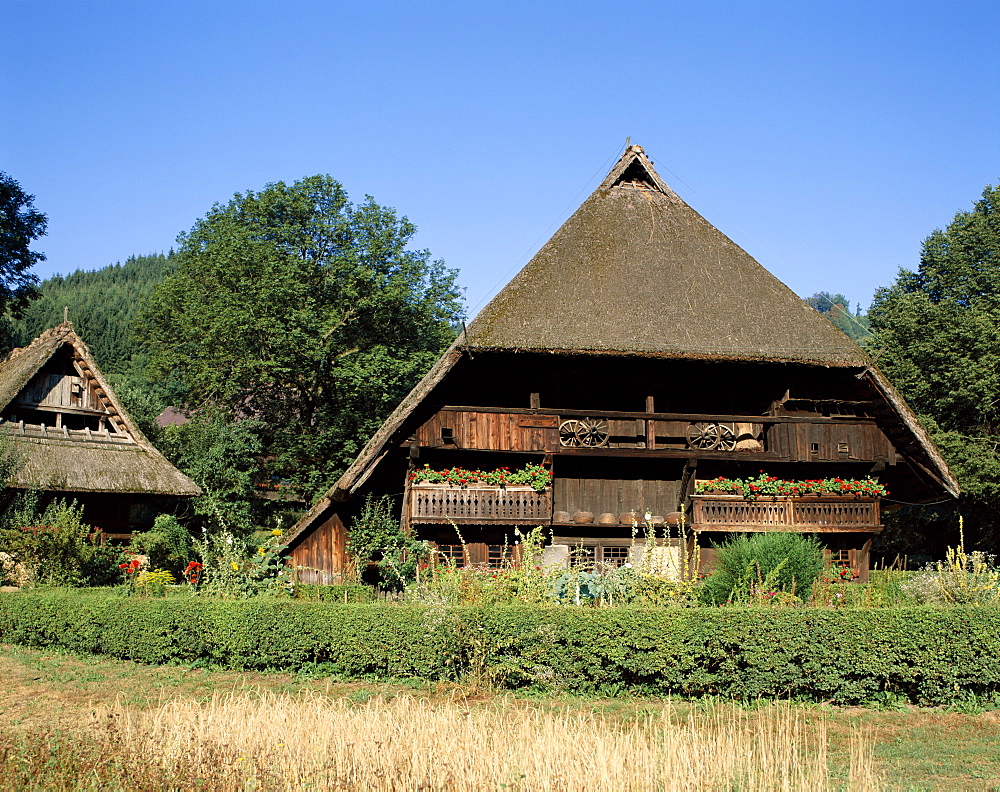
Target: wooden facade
<point>639,352</point>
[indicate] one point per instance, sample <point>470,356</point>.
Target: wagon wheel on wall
<point>592,432</point>
<point>727,437</point>
<point>568,433</point>
<point>704,436</point>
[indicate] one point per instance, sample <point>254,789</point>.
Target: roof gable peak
<point>635,171</point>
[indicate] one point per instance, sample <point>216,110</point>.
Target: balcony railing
<point>806,514</point>
<point>482,505</point>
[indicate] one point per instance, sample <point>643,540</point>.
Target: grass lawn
<point>59,709</point>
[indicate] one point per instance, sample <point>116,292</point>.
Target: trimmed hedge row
<point>923,655</point>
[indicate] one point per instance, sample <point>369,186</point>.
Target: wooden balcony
<point>806,514</point>
<point>479,505</point>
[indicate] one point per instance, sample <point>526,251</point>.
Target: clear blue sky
<point>827,139</point>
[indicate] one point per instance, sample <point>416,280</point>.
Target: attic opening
<point>63,399</point>
<point>636,177</point>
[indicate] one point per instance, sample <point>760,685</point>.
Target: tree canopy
<point>935,335</point>
<point>20,225</point>
<point>309,314</point>
<point>837,308</point>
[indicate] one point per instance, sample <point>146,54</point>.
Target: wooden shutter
<point>476,553</point>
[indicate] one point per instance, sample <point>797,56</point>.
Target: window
<point>613,557</point>
<point>450,553</point>
<point>599,556</point>
<point>498,556</point>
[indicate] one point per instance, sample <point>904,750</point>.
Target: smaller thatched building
<point>75,439</point>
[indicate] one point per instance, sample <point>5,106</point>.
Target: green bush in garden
<point>168,544</point>
<point>756,567</point>
<point>53,546</point>
<point>927,656</point>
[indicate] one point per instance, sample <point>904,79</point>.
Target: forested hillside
<point>837,308</point>
<point>102,306</point>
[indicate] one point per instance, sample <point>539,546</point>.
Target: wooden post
<point>687,484</point>
<point>650,424</point>
<point>535,401</point>
<point>404,513</point>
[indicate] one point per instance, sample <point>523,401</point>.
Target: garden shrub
<point>54,546</point>
<point>377,537</point>
<point>339,592</point>
<point>927,656</point>
<point>233,566</point>
<point>168,544</point>
<point>752,568</point>
<point>961,579</point>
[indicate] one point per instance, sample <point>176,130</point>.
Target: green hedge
<point>923,655</point>
<point>339,592</point>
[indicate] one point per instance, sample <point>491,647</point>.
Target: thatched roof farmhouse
<point>76,439</point>
<point>680,357</point>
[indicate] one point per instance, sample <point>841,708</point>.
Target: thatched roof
<point>81,461</point>
<point>636,271</point>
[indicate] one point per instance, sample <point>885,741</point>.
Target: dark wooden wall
<point>615,496</point>
<point>832,442</point>
<point>321,552</point>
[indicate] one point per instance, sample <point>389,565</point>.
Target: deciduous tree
<point>20,225</point>
<point>303,311</point>
<point>935,335</point>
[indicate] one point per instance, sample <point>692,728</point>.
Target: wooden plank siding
<point>321,557</point>
<point>805,442</point>
<point>615,496</point>
<point>490,430</point>
<point>61,391</point>
<point>798,439</point>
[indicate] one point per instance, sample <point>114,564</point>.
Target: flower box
<point>479,504</point>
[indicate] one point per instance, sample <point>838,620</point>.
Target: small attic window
<point>636,177</point>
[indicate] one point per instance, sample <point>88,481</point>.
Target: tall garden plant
<point>764,565</point>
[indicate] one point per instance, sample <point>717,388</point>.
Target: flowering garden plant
<point>763,484</point>
<point>534,476</point>
<point>841,572</point>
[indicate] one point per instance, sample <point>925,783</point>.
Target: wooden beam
<point>61,409</point>
<point>672,453</point>
<point>650,424</point>
<point>788,528</point>
<point>767,419</point>
<point>478,521</point>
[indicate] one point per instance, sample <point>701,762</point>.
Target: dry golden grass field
<point>72,722</point>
